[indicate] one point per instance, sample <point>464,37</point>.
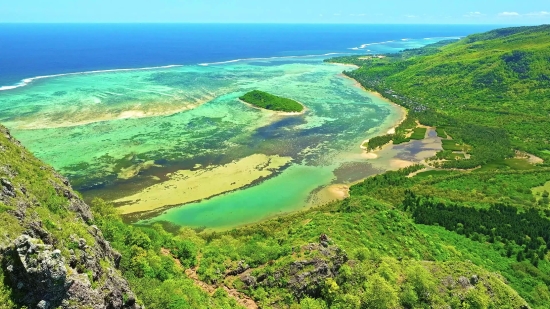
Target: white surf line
<point>363,46</point>
<point>27,81</point>
<point>268,58</point>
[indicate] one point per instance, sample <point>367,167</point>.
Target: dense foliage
<point>498,223</point>
<point>154,261</point>
<point>489,91</point>
<point>272,102</point>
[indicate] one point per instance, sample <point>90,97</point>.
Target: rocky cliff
<point>51,253</point>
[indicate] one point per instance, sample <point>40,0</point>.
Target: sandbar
<point>185,186</point>
<point>72,117</point>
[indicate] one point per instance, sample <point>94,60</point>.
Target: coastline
<point>389,157</point>
<point>403,112</point>
<point>386,156</point>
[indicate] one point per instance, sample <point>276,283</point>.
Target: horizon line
<point>263,23</point>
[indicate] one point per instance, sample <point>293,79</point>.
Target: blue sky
<point>279,11</point>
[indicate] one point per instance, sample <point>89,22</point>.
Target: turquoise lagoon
<point>117,132</point>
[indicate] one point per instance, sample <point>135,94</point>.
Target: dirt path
<point>241,298</point>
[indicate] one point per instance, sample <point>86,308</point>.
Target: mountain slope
<point>50,253</point>
<point>489,90</point>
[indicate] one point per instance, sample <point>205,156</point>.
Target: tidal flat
<point>176,144</point>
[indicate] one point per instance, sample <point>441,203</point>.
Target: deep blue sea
<point>29,50</point>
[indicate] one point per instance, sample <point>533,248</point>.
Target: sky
<point>525,12</point>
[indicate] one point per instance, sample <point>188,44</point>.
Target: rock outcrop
<point>304,277</point>
<point>51,254</point>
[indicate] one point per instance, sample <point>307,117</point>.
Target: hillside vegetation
<point>488,90</point>
<point>272,102</point>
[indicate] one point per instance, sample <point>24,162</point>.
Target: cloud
<point>357,14</point>
<point>474,14</point>
<point>509,14</point>
<point>411,16</point>
<point>337,14</point>
<point>538,14</point>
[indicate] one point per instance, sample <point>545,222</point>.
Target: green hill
<point>488,90</point>
<point>272,102</point>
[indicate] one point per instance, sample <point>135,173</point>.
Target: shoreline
<point>403,114</point>
<point>331,192</point>
<point>340,191</point>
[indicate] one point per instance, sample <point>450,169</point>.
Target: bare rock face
<point>42,275</point>
<point>38,271</point>
<point>40,265</point>
<point>304,277</point>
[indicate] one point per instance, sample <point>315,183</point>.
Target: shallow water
<point>115,133</point>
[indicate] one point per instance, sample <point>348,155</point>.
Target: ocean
<point>30,50</point>
<point>148,116</point>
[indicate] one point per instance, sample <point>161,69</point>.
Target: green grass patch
<point>271,102</point>
<point>539,192</point>
<point>434,173</point>
<point>451,145</point>
<point>458,155</point>
<point>449,155</point>
<point>514,164</point>
<point>441,132</point>
<point>4,208</point>
<point>519,164</point>
<point>419,133</point>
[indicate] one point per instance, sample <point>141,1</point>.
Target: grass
<point>514,164</point>
<point>458,156</point>
<point>419,133</point>
<point>449,155</point>
<point>433,173</point>
<point>441,132</point>
<point>451,145</point>
<point>537,192</point>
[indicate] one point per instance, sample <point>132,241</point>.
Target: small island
<point>272,102</point>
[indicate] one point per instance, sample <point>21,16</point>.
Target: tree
<point>419,278</point>
<point>312,303</point>
<point>476,298</point>
<point>379,294</point>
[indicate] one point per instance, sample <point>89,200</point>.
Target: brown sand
<point>186,186</point>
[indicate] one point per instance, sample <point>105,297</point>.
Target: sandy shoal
<point>86,115</point>
<point>187,186</point>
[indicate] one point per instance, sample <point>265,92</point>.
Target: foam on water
<point>27,81</point>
